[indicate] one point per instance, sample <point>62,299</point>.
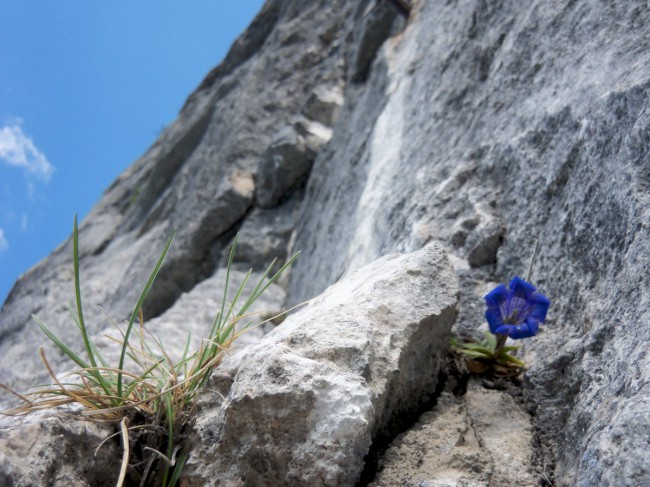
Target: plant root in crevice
<point>149,449</point>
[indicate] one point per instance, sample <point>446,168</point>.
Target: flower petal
<point>503,330</point>
<point>496,297</point>
<point>539,306</point>
<point>533,325</point>
<point>493,317</point>
<point>520,288</point>
<point>526,330</point>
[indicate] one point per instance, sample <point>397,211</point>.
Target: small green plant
<point>515,312</point>
<point>153,403</point>
<point>491,353</point>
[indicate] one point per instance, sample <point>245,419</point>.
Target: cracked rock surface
<point>482,438</point>
<point>483,126</point>
<point>308,400</point>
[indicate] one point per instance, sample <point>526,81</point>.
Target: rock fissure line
<point>403,423</point>
<point>517,121</point>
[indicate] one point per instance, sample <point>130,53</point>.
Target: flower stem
<point>501,342</point>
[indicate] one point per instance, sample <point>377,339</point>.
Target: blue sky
<point>85,88</point>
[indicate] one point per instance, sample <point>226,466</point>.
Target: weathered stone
<point>316,134</point>
<point>534,113</point>
<point>377,20</point>
<point>481,439</point>
<point>284,166</point>
<point>266,235</point>
<point>308,400</point>
<point>484,241</point>
<point>57,451</point>
<point>324,105</point>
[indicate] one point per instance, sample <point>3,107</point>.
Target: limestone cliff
<point>349,130</point>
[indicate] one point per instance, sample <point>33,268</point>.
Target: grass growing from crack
<point>153,401</point>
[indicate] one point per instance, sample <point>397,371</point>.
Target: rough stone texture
<point>483,125</point>
<point>57,451</point>
<point>376,20</point>
<point>308,400</point>
<point>194,312</point>
<point>284,166</point>
<point>324,105</point>
<point>482,438</point>
<point>265,235</point>
<point>197,179</point>
<point>539,114</point>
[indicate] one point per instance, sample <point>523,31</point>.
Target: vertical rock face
<point>482,125</point>
<point>499,124</point>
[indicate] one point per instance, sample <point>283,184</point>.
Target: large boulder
<point>308,401</point>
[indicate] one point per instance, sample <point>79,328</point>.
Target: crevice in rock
<point>376,22</point>
<point>544,459</point>
<point>401,424</point>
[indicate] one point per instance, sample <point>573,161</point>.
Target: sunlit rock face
<point>349,131</point>
<point>308,400</point>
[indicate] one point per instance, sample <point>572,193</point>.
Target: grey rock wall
<point>503,123</point>
<point>482,125</point>
<point>57,451</point>
<point>198,179</point>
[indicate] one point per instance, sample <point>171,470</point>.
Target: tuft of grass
<point>151,404</point>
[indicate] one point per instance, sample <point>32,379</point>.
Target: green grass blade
<point>136,311</point>
<point>170,438</point>
<point>178,470</point>
<point>96,353</point>
<point>490,340</point>
<point>231,258</point>
<point>182,364</point>
<point>255,293</point>
<point>77,291</point>
<point>222,333</point>
<point>143,378</point>
<point>62,346</point>
<point>509,358</point>
<point>259,291</point>
<point>95,375</point>
<point>475,354</point>
<point>478,348</point>
<point>233,304</point>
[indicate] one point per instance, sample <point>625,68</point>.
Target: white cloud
<point>4,245</point>
<point>17,149</point>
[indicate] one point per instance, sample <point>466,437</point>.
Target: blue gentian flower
<point>515,311</point>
